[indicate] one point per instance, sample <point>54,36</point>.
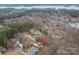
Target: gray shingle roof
<point>2,49</point>
<point>32,51</point>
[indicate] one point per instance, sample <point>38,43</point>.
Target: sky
<point>39,2</point>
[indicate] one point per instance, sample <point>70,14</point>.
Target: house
<point>32,51</point>
<point>45,40</point>
<point>34,32</point>
<point>2,50</point>
<point>24,30</point>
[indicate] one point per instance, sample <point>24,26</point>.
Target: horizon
<point>41,6</point>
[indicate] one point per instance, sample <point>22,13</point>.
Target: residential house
<point>2,50</point>
<point>32,51</point>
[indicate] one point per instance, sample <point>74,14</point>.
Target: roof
<point>32,51</point>
<point>2,49</point>
<point>74,25</point>
<point>45,40</point>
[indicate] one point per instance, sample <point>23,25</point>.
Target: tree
<point>9,31</point>
<point>38,40</point>
<point>4,41</point>
<point>28,25</point>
